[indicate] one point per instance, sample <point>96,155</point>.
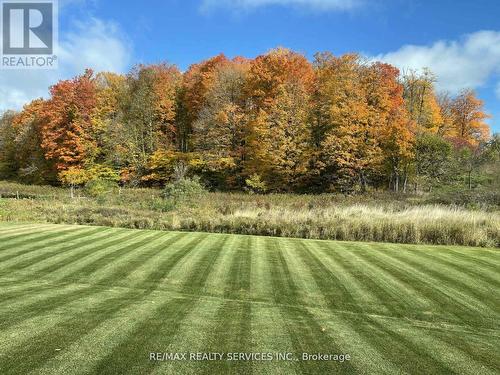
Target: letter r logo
<point>27,27</point>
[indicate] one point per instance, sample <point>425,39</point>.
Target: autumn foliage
<point>279,122</point>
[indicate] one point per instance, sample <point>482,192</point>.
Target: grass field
<point>99,300</point>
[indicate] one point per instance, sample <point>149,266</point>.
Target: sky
<point>459,40</point>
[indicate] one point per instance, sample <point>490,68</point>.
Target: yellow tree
<point>349,129</point>
<point>107,124</point>
<point>279,88</point>
<point>288,137</point>
<point>421,100</point>
<point>397,136</point>
<point>467,113</point>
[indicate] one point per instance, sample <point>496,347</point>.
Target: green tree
<point>432,161</point>
<point>8,161</point>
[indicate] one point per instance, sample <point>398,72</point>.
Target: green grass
<point>80,300</point>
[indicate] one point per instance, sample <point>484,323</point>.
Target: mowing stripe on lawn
<point>6,231</point>
<point>38,243</point>
<point>57,248</point>
<point>260,273</point>
<point>270,335</point>
<point>389,287</point>
<point>71,326</point>
<point>194,278</point>
<point>454,356</point>
<point>232,334</point>
<point>384,292</point>
<point>39,304</point>
<point>21,229</point>
<point>231,329</point>
<point>454,283</point>
<point>31,299</point>
<point>99,342</point>
<point>458,270</point>
<point>116,308</point>
<point>302,275</point>
<point>134,269</point>
<point>305,333</point>
<point>216,282</point>
<point>193,336</point>
<point>163,268</point>
<point>475,344</point>
<point>480,258</point>
<point>126,242</point>
<point>125,262</point>
<point>18,288</point>
<point>12,227</point>
<point>108,297</point>
<point>420,340</point>
<point>446,298</point>
<point>419,359</point>
<point>369,355</point>
<point>23,331</point>
<point>343,269</point>
<point>489,277</point>
<point>347,325</point>
<point>334,291</point>
<point>193,266</point>
<point>152,335</point>
<point>205,314</point>
<point>131,355</point>
<point>238,283</point>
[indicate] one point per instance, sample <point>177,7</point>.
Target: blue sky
<point>459,40</point>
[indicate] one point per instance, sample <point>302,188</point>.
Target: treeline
<point>274,123</point>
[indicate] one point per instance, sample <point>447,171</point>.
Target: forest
<point>275,123</point>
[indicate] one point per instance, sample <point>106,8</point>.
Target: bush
<point>184,189</point>
<point>162,205</point>
<point>100,188</point>
<point>256,185</point>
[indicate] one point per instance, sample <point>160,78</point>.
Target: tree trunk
<point>362,180</point>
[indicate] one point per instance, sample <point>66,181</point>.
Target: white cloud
<point>92,44</point>
<point>320,5</point>
<point>470,62</point>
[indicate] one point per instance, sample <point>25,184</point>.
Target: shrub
<point>162,205</point>
<point>183,189</point>
<point>256,185</point>
<point>99,188</point>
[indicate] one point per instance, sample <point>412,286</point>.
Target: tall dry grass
<point>383,218</point>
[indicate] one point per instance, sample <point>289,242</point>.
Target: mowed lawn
<point>95,300</point>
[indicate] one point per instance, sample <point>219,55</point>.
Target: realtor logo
<point>29,30</point>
